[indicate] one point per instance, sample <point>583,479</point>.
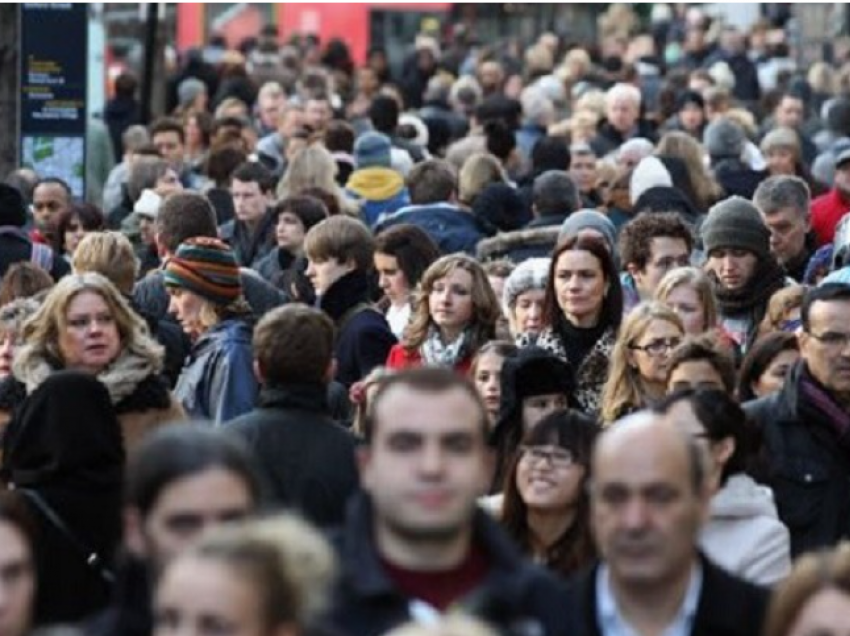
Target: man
<point>622,119</point>
<point>554,197</point>
<point>829,208</point>
<point>416,543</point>
<point>251,233</point>
<point>270,102</point>
<point>318,111</point>
<point>805,425</point>
<point>650,246</point>
<point>649,500</point>
<point>432,186</point>
<point>783,202</point>
<point>305,459</point>
<point>182,481</point>
<point>744,272</point>
<point>15,244</point>
<point>538,114</point>
<point>271,149</point>
<point>379,190</point>
<point>340,252</point>
<point>50,198</point>
<point>169,138</point>
<point>583,172</point>
<point>185,215</point>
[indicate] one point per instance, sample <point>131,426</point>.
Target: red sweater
<point>401,358</point>
<point>827,211</point>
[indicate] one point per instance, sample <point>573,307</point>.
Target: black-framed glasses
<point>658,347</point>
<point>552,456</point>
<point>832,339</point>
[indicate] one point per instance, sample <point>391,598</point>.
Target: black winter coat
<point>806,467</point>
<point>516,596</point>
<point>15,247</point>
<point>304,458</point>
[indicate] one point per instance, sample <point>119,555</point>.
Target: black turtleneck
<point>578,341</point>
<point>345,293</point>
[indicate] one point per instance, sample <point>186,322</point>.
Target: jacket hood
<point>375,184</point>
<point>742,497</point>
<point>504,243</point>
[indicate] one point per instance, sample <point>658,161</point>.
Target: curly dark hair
<point>635,243</point>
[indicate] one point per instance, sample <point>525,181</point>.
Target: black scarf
<point>768,278</point>
<point>344,294</point>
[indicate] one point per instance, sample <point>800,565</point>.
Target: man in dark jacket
<point>806,426</point>
<point>417,544</point>
<point>340,254</point>
<point>305,459</point>
<point>649,498</point>
<point>251,233</point>
<point>622,120</point>
<point>15,245</point>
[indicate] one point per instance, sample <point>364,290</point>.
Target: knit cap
<point>207,267</point>
<point>724,138</point>
<point>189,89</point>
<point>148,204</point>
<point>736,223</point>
<point>649,173</point>
<point>13,209</point>
<point>372,150</point>
<point>589,220</point>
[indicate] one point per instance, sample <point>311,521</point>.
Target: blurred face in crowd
<point>367,81</point>
<point>391,279</point>
<point>194,134</point>
<point>17,581</point>
<point>825,346</point>
<point>650,353</point>
<point>183,510</point>
<point>691,117</point>
<point>290,232</point>
<point>450,303</point>
<point>249,201</point>
<point>734,267</point>
<point>622,113</point>
<point>89,340</point>
<point>9,343</point>
<point>290,121</point>
<point>646,510</point>
<point>580,287</point>
<point>686,302</point>
<point>789,112</point>
<point>788,228</point>
<point>528,311</point>
<point>323,274</point>
<point>49,200</point>
<point>665,253</point>
<point>270,107</point>
<point>186,307</point>
<point>206,596</point>
<point>488,381</point>
<point>169,146</point>
<point>424,469</point>
<point>695,374</point>
<point>491,76</point>
<point>842,179</point>
<point>318,113</point>
<point>774,375</point>
<point>147,230</point>
<point>583,171</point>
<point>824,614</point>
<point>74,233</point>
<point>781,160</point>
<point>536,407</point>
<point>168,183</point>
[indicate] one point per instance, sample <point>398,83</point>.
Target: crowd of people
<point>551,339</point>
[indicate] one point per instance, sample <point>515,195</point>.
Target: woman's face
<point>90,340</point>
<point>9,342</point>
<point>685,301</point>
<point>147,232</point>
<point>450,301</point>
<point>650,353</point>
<point>825,614</point>
<point>780,161</point>
<point>290,232</point>
<point>194,137</point>
<point>580,287</point>
<point>17,583</point>
<point>548,478</point>
<point>528,311</point>
<point>200,596</point>
<point>74,233</point>
<point>186,307</point>
<point>536,407</point>
<point>488,381</point>
<point>391,279</point>
<point>774,375</point>
<point>168,183</point>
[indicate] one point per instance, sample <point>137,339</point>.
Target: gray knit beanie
<point>724,138</point>
<point>736,223</point>
<point>592,220</point>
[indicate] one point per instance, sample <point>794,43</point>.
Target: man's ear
<point>258,372</point>
<point>134,534</point>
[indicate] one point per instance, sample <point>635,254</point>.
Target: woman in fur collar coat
<point>86,325</point>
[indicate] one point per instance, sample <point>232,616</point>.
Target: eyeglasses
<point>552,456</point>
<point>832,339</point>
<point>657,347</point>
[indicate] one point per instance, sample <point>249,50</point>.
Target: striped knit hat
<point>207,267</point>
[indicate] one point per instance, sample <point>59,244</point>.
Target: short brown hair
<point>184,215</point>
<point>294,343</point>
<point>432,181</point>
<point>342,238</point>
<point>110,254</point>
<point>705,348</point>
<point>636,236</point>
<point>23,280</point>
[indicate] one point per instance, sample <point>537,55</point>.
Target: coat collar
<point>300,396</point>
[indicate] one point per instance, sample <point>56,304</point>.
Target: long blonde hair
<point>699,282</point>
<point>312,167</point>
<point>485,306</point>
<point>681,145</point>
<point>623,390</point>
<point>479,170</point>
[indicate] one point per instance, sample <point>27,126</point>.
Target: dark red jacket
<point>827,211</point>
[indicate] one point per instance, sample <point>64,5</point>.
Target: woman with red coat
<point>454,314</point>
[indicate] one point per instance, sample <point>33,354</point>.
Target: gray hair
<point>783,191</point>
<point>532,273</point>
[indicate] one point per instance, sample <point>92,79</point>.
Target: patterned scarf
<point>435,353</point>
<point>816,404</point>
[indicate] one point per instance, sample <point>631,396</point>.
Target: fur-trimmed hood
<point>506,244</point>
<point>134,365</point>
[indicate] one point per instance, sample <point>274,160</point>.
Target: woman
<point>24,280</point>
<point>744,534</point>
<point>480,170</point>
<point>582,313</point>
<point>682,146</point>
<point>815,598</point>
<point>781,148</point>
<point>689,292</point>
<point>13,315</point>
<point>486,372</point>
<point>454,314</point>
<point>313,167</point>
<point>524,296</point>
<point>17,536</point>
<point>257,579</point>
<point>73,224</point>
<point>783,311</point>
<point>203,282</point>
<point>85,324</point>
<point>402,254</point>
<point>197,129</point>
<point>767,364</point>
<point>70,478</point>
<point>546,509</point>
<point>639,361</point>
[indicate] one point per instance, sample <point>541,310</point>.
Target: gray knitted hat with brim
<point>735,223</point>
